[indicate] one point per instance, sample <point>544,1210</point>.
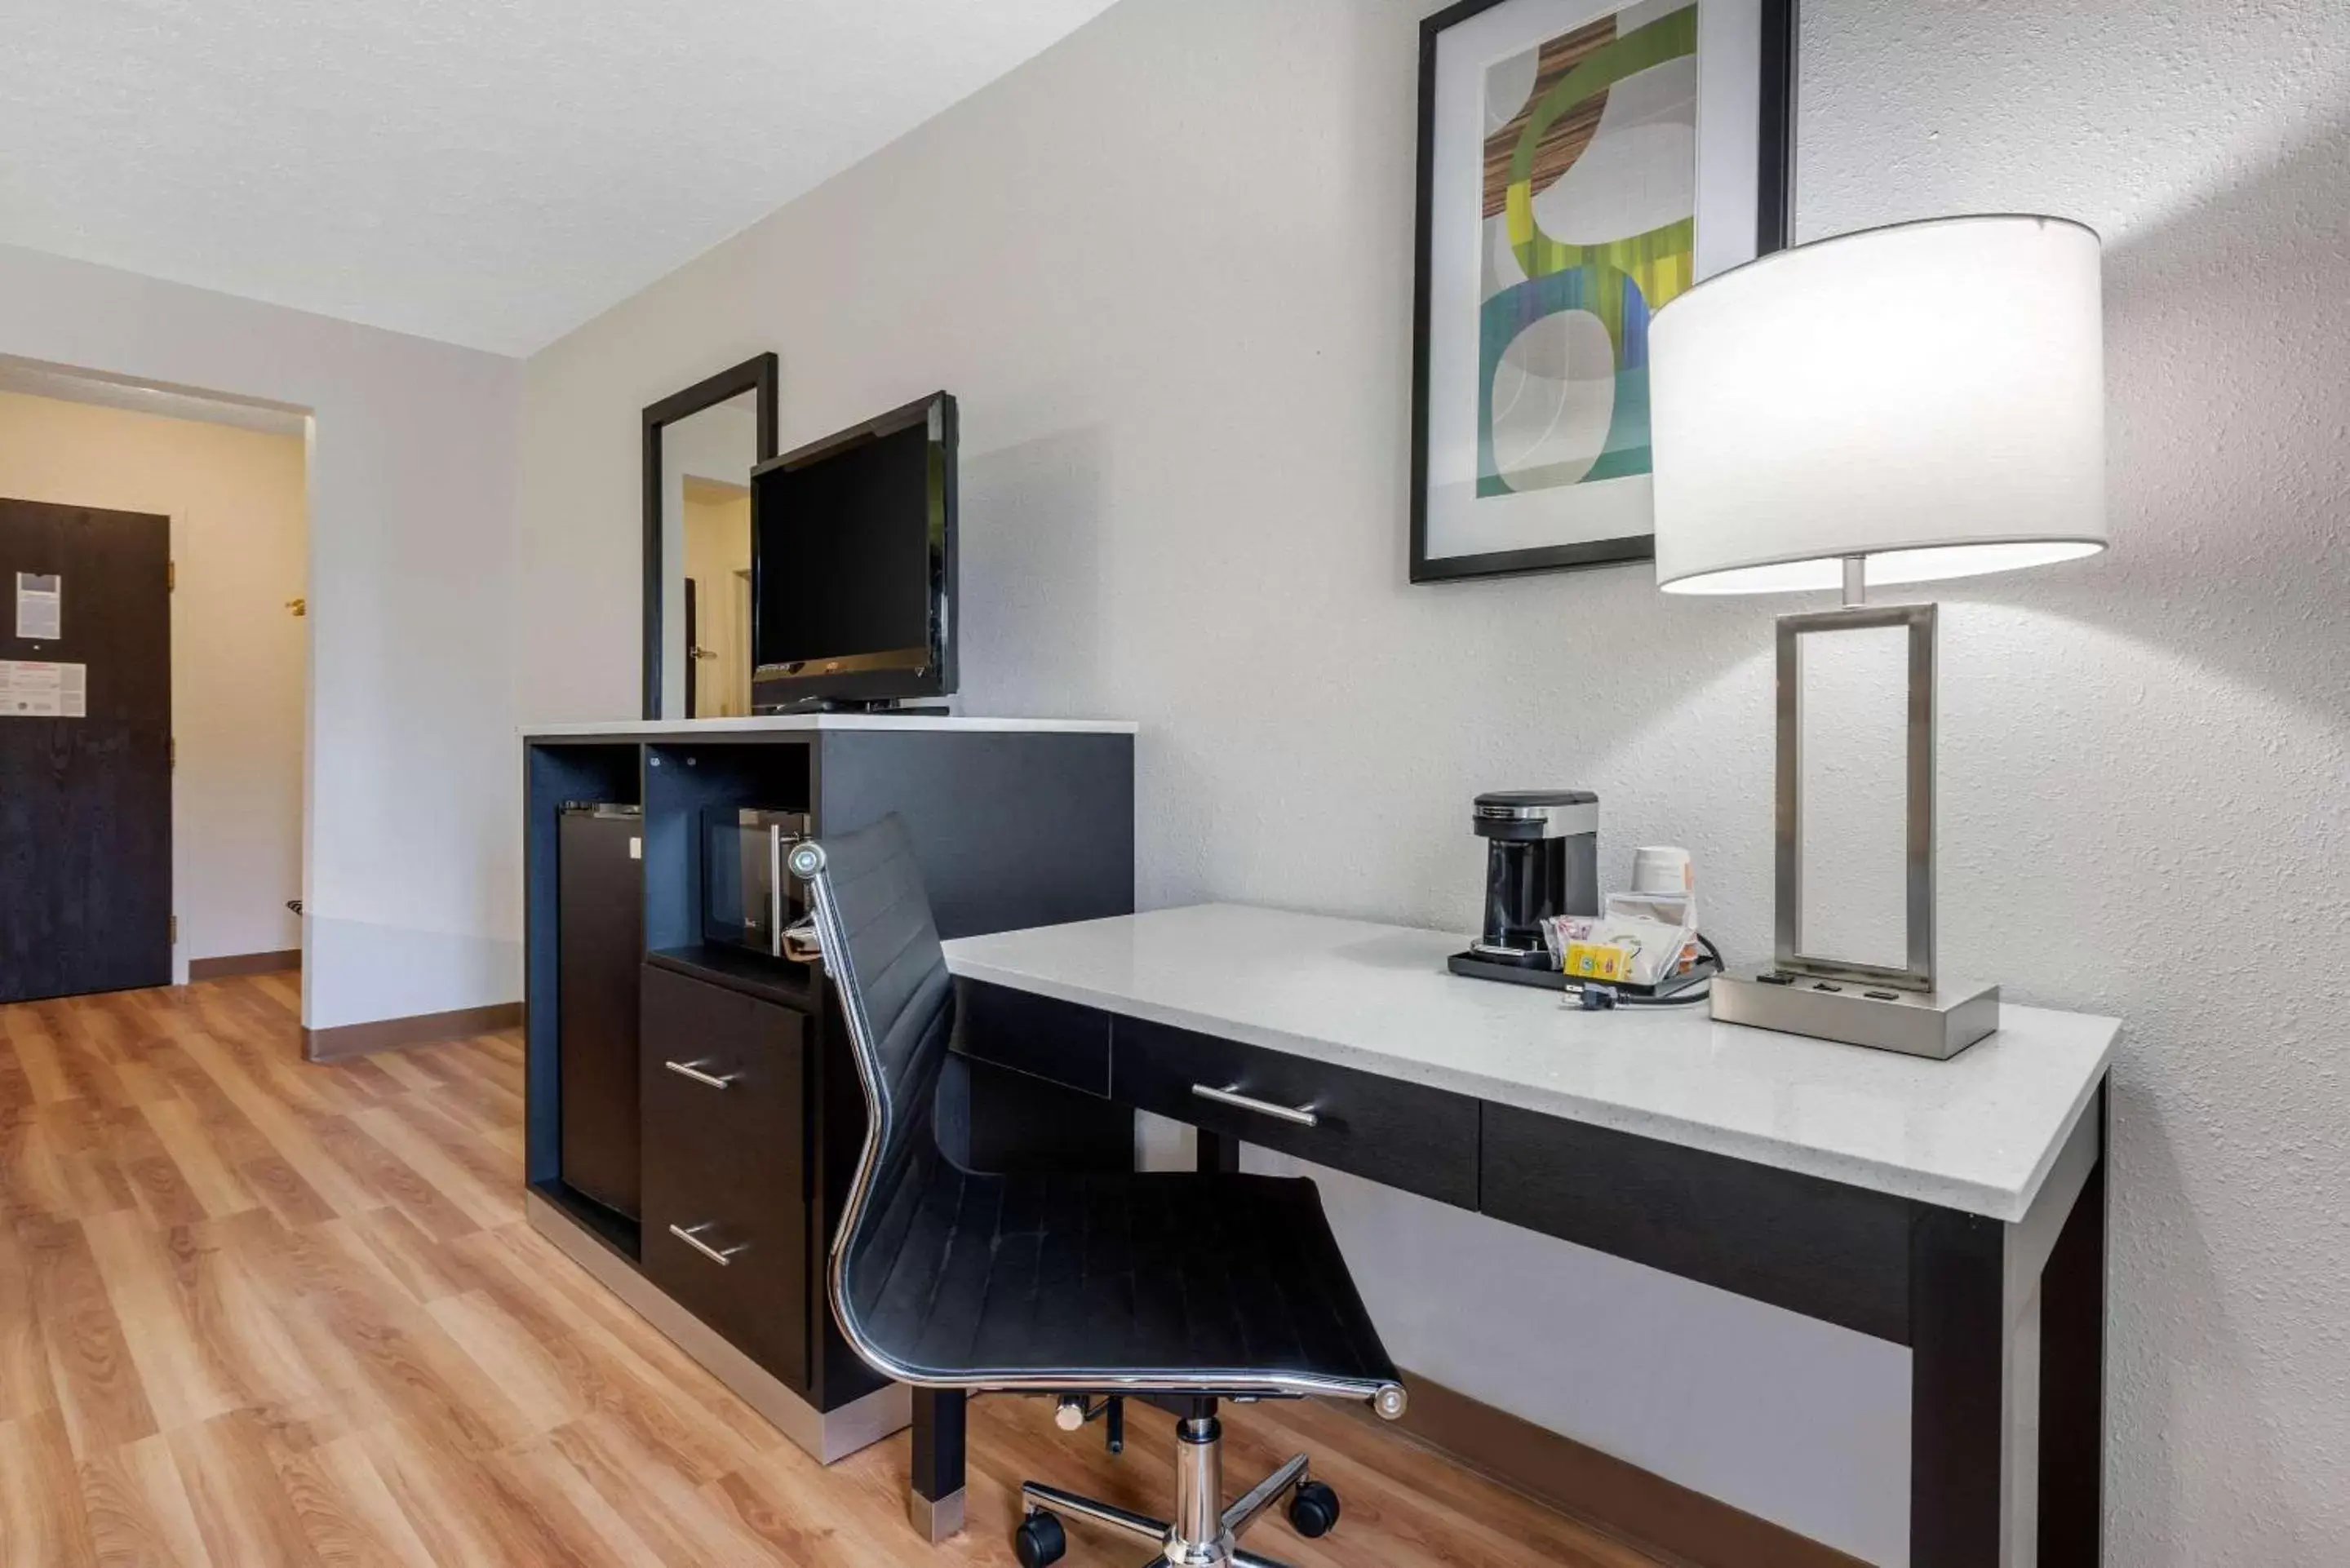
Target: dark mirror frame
<point>758,375</point>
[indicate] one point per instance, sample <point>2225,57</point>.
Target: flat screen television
<point>853,564</point>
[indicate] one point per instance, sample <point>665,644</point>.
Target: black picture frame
<point>760,374</point>
<point>1774,220</point>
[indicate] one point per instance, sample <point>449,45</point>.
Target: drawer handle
<point>693,1239</point>
<point>693,1070</point>
<point>1230,1095</point>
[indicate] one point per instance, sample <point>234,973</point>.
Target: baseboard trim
<point>1642,1510</point>
<point>424,1029</point>
<point>229,965</point>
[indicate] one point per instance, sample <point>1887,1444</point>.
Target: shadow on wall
<point>2227,332</point>
<point>1031,522</point>
<point>2224,614</point>
<point>2230,328</point>
<point>2187,1384</point>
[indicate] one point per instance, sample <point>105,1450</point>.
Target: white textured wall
<point>412,853</point>
<point>1166,267</point>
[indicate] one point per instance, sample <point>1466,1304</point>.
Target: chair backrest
<point>882,950</point>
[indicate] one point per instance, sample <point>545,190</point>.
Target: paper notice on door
<point>32,690</point>
<point>40,606</point>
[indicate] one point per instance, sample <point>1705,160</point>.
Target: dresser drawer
<point>1401,1135</point>
<point>1039,1035</point>
<point>723,1164</point>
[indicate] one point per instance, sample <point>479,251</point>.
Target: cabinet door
<point>725,1189</point>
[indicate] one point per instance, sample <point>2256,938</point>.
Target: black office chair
<point>1194,1288</point>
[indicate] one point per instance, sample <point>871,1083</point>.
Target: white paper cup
<point>1663,868</point>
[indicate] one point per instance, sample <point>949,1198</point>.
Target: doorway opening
<point>717,528</point>
<point>154,650</point>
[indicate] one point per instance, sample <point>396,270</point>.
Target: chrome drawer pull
<point>1230,1095</point>
<point>688,1070</point>
<point>693,1241</point>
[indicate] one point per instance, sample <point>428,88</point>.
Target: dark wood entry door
<point>84,802</point>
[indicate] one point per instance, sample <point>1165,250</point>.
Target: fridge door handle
<point>691,1236</point>
<point>694,1070</point>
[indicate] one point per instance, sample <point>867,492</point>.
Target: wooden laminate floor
<point>255,1312</point>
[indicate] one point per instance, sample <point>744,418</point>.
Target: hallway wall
<point>413,813</point>
<point>235,498</point>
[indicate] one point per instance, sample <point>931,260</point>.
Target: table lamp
<point>1895,406</point>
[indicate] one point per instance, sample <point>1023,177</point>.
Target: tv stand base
<point>881,707</point>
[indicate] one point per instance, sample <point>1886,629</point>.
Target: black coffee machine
<point>1542,859</point>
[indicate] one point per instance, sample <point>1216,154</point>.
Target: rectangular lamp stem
<point>1904,1007</point>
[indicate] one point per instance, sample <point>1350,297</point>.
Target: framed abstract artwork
<point>1581,163</point>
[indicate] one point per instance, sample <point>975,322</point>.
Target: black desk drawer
<point>1401,1135</point>
<point>1803,1242</point>
<point>725,1166</point>
<point>1042,1035</point>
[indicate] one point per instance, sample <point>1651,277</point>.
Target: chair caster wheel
<point>1313,1509</point>
<point>1040,1540</point>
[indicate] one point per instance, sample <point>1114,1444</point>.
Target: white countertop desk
<point>1978,1133</point>
<point>771,724</point>
<point>1954,1206</point>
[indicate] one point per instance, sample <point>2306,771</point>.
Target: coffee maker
<point>1542,859</point>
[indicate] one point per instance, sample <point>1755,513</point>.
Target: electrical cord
<point>1604,998</point>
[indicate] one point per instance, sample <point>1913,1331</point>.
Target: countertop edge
<point>803,724</point>
<point>1993,1202</point>
<point>2030,1194</point>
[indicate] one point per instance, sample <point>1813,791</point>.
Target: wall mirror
<point>1856,829</point>
<point>701,445</point>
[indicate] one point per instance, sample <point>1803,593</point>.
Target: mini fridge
<point>599,894</point>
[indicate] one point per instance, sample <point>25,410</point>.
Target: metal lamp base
<point>1938,1024</point>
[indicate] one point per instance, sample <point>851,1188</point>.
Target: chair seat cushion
<point>1064,1276</point>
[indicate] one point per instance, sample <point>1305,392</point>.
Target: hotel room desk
<point>1955,1208</point>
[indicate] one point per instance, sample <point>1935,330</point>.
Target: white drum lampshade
<point>1929,398</point>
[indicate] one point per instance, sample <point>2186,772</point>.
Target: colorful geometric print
<point>1538,374</point>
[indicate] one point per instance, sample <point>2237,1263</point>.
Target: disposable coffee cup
<point>1662,869</point>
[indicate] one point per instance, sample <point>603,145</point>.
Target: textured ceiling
<point>490,172</point>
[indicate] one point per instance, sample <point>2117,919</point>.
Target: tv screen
<point>853,562</point>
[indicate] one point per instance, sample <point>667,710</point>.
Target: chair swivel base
<point>1200,1536</point>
